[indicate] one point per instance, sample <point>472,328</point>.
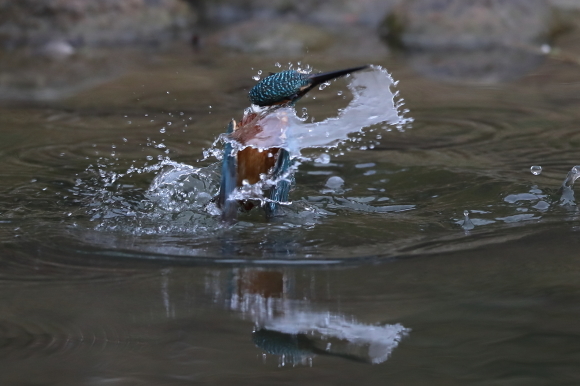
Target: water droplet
<point>322,159</point>
<point>339,93</point>
<point>168,123</point>
<point>546,48</point>
<point>334,182</point>
<point>541,205</point>
<point>124,139</point>
<point>365,165</point>
<point>259,72</point>
<point>168,92</point>
<point>162,130</point>
<point>149,157</point>
<point>256,77</point>
<point>536,170</point>
<point>278,65</point>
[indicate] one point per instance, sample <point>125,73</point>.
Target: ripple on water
<point>406,192</point>
<point>515,135</point>
<point>19,339</point>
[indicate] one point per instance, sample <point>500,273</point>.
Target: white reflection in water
<point>518,218</point>
<point>294,330</point>
<point>336,335</point>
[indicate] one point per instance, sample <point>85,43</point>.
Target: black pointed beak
<point>317,79</point>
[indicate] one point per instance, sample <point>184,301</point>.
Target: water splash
<point>322,159</point>
<point>567,197</point>
<point>467,223</point>
<point>180,197</point>
<point>334,183</point>
<point>373,103</point>
<point>184,187</point>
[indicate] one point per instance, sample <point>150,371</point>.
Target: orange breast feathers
<point>257,130</point>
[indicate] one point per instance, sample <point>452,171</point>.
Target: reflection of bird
<point>251,163</point>
<point>296,332</point>
<point>296,348</point>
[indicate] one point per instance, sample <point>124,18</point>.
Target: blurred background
<point>53,49</point>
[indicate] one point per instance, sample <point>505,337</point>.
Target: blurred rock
<point>475,41</point>
<point>484,66</point>
<point>566,4</point>
<point>273,37</point>
<point>57,49</point>
<point>57,70</point>
<point>37,23</point>
<point>328,13</point>
<point>468,24</point>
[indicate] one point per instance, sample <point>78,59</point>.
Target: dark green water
<point>100,285</point>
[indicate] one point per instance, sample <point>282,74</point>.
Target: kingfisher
<point>260,156</point>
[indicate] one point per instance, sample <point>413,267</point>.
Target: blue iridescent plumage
<point>278,87</point>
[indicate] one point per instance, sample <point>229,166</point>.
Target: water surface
<point>373,273</point>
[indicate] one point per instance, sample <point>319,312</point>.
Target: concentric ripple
<point>20,340</point>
